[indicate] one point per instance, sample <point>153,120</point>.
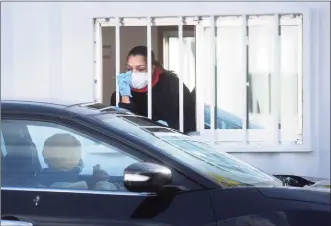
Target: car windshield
<point>221,167</point>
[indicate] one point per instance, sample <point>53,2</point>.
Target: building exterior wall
<point>47,52</point>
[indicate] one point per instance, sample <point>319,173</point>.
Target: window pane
<point>48,155</point>
<point>208,64</point>
<point>187,62</point>
<point>291,79</point>
<point>260,46</point>
<point>260,60</point>
<point>229,76</point>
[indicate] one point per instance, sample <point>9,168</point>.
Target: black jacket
<point>165,102</point>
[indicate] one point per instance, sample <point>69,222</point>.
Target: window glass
<point>247,55</point>
<point>260,60</point>
<point>229,55</point>
<point>221,167</point>
<point>291,77</point>
<point>213,162</point>
<point>187,62</point>
<point>41,154</point>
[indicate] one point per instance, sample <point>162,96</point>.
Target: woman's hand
<point>125,99</point>
<point>124,82</point>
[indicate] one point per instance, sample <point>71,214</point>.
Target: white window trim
<point>164,20</point>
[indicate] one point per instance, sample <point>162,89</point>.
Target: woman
<point>165,91</point>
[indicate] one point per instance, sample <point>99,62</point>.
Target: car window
<point>41,154</point>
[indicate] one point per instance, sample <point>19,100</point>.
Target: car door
<point>56,176</point>
<point>253,207</point>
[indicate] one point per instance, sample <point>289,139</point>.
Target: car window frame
<point>74,124</point>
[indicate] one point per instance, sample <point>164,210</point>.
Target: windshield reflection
<point>221,167</point>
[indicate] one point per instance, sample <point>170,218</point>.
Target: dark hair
<point>62,140</point>
<point>140,51</point>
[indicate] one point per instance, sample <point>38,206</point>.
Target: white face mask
<point>139,80</point>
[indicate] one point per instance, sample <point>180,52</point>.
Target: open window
<point>248,72</point>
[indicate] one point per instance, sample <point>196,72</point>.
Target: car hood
<point>311,194</point>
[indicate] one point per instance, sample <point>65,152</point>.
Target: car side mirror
<point>146,177</point>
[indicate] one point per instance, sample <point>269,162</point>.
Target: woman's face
<point>137,63</point>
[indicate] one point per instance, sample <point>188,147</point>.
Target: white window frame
<point>205,135</point>
<point>235,140</point>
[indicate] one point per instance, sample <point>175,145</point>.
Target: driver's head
<point>62,152</point>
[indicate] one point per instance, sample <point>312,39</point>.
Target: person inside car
<point>63,156</point>
<point>165,91</point>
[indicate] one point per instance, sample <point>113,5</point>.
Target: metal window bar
<point>275,78</point>
<point>180,75</point>
<point>300,96</point>
<point>149,65</point>
<point>245,77</point>
<point>200,53</point>
<point>98,63</point>
<point>213,73</point>
<point>118,56</point>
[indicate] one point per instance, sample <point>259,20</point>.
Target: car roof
<point>62,107</point>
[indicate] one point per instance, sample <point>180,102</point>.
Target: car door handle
<point>15,223</point>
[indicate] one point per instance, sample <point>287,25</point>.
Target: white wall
<point>47,51</point>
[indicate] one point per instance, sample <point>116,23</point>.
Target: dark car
<point>88,164</point>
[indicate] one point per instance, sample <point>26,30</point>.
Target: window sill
<point>231,142</point>
<point>262,148</point>
<point>254,136</point>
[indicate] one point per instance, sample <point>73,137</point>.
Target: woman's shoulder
<point>169,82</point>
<point>169,74</point>
<point>169,77</point>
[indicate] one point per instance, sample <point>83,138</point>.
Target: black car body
<point>205,187</point>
